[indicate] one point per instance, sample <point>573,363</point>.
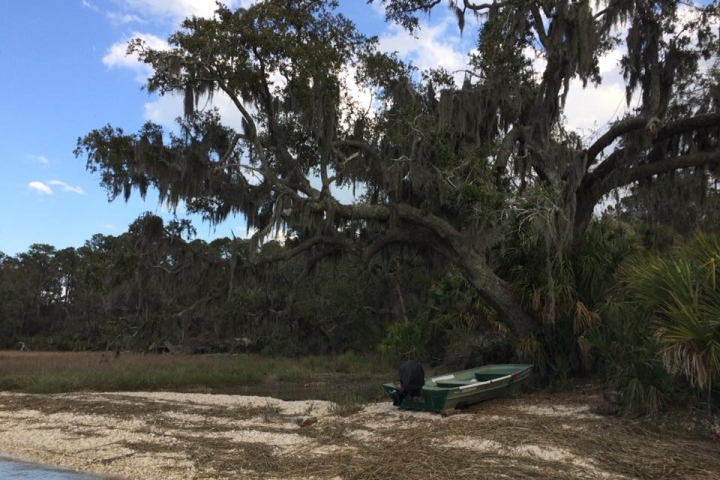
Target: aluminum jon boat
<point>445,393</point>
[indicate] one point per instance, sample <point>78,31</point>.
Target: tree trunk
<point>583,216</point>
<point>497,293</point>
<point>233,265</point>
<point>587,196</point>
<point>450,242</point>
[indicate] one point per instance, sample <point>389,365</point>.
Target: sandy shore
<point>164,435</point>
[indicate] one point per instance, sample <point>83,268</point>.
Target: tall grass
<point>342,377</point>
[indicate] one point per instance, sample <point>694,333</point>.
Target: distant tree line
<point>157,287</point>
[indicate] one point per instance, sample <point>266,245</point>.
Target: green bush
<point>659,338</point>
<point>682,295</point>
<point>565,290</point>
<point>627,354</point>
<point>404,339</point>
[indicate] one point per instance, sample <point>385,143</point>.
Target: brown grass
<point>419,447</point>
<point>414,446</point>
<point>339,378</point>
<point>603,447</point>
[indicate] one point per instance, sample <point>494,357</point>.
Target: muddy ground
<point>164,435</point>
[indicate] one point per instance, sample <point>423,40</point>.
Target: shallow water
<point>15,470</point>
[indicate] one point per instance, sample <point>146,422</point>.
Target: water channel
<point>12,469</point>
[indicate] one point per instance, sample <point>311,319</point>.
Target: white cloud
<point>177,10</point>
<point>167,108</point>
<point>591,108</point>
<point>108,226</point>
<point>437,45</point>
<point>433,48</point>
<point>89,5</point>
<point>244,232</point>
<point>538,61</point>
<point>610,64</point>
<point>362,97</point>
<point>440,45</point>
<point>40,158</point>
<point>587,109</point>
<point>67,188</point>
<point>164,110</point>
<point>40,188</point>
<point>117,56</point>
<point>378,7</point>
<point>690,13</point>
<point>123,18</point>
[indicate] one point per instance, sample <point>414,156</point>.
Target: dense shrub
<point>681,296</point>
<point>643,315</point>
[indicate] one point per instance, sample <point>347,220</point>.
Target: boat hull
<point>445,393</point>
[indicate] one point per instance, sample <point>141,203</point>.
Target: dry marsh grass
<point>181,435</point>
<point>324,378</point>
<point>531,436</point>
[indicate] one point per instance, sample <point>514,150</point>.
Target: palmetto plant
<point>627,354</point>
<point>564,290</point>
<point>684,295</point>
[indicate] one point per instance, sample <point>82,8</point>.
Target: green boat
<point>460,389</point>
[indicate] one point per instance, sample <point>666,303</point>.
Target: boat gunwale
<point>525,366</point>
<point>488,383</point>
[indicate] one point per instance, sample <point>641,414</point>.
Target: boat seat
<point>455,383</point>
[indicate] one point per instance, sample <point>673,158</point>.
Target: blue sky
<point>66,73</point>
<point>56,86</point>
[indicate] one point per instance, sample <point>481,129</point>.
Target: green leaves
<point>403,339</point>
<point>684,297</point>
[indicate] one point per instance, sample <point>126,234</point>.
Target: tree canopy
<point>448,170</point>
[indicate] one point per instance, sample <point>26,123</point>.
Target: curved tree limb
<point>595,188</point>
<point>506,149</point>
<point>390,237</point>
<point>286,255</point>
<point>364,146</point>
<point>684,161</point>
<point>705,120</point>
<point>477,7</point>
<point>492,288</point>
<point>620,128</point>
<point>679,127</point>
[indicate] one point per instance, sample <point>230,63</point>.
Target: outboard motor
<point>412,379</point>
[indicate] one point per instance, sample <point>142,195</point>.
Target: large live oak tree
<point>441,167</point>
